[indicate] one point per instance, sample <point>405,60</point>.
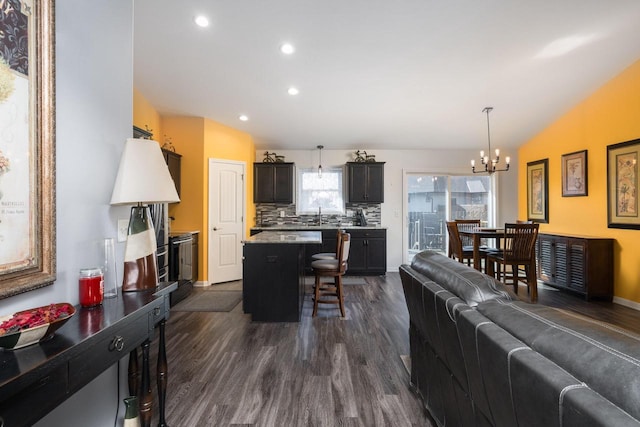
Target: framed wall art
<point>622,185</point>
<point>574,174</point>
<point>538,191</point>
<point>27,147</point>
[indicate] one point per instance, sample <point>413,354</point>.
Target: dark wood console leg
<point>134,373</point>
<point>146,397</point>
<point>162,375</point>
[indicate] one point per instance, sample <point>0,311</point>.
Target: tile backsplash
<point>269,214</point>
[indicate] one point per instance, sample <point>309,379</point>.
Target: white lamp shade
<point>143,175</point>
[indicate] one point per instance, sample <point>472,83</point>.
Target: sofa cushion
<point>605,358</point>
<point>467,283</point>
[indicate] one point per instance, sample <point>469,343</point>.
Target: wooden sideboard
<point>579,264</point>
<point>36,379</point>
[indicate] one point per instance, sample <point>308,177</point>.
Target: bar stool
<point>331,292</point>
<point>328,255</point>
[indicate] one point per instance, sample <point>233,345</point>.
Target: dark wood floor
<point>615,314</point>
<point>324,371</point>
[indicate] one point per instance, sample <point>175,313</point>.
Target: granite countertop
<point>316,227</point>
<point>312,237</point>
<point>173,233</point>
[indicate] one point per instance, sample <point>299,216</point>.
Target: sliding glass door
<point>434,199</point>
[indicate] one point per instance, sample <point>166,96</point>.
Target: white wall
<point>94,72</point>
<point>399,161</point>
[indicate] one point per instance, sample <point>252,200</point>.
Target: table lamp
<point>143,178</point>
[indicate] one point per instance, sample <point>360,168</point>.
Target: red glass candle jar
<point>91,287</point>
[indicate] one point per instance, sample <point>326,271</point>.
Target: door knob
<point>216,228</point>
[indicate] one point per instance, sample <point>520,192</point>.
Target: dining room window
<point>324,192</point>
<point>433,199</point>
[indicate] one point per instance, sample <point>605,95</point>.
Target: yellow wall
<point>198,139</point>
<point>146,117</point>
<point>609,116</point>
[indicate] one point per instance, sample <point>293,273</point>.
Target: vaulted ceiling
<point>404,74</point>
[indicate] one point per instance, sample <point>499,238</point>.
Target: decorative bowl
<point>30,335</point>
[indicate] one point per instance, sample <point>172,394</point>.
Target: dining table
<point>478,234</point>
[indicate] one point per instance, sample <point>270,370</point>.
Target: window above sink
<point>320,193</point>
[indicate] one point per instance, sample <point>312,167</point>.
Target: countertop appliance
<point>160,220</point>
<point>181,265</point>
<point>361,220</point>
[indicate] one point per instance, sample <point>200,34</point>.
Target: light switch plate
<point>123,226</point>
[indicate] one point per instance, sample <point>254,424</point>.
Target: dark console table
<point>36,379</point>
<point>579,264</point>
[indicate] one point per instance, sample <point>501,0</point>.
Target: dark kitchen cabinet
<point>366,182</point>
<point>576,263</point>
<point>368,252</point>
<point>273,183</point>
<point>173,162</point>
<point>194,259</point>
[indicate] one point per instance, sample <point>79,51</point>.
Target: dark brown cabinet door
<point>273,182</point>
<point>366,182</point>
<point>173,161</point>
<point>283,183</point>
<point>368,252</point>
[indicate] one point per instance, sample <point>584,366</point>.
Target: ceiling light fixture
<point>287,48</point>
<point>487,161</point>
<point>320,147</point>
<point>243,117</point>
<point>293,91</point>
<point>201,21</point>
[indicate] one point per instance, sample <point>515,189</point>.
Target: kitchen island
<point>273,274</point>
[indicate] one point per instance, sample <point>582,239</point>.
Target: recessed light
<point>287,48</point>
<point>201,21</point>
<point>243,117</point>
<point>293,91</point>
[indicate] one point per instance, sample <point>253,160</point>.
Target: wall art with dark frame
<point>538,191</point>
<point>27,146</point>
<point>574,174</point>
<point>622,185</point>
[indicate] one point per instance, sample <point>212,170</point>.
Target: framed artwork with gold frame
<point>574,174</point>
<point>27,146</point>
<point>622,185</point>
<point>538,191</point>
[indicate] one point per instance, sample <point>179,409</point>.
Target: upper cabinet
<point>366,182</point>
<point>173,162</point>
<point>273,182</point>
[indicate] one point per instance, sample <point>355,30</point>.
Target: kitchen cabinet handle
<point>117,343</point>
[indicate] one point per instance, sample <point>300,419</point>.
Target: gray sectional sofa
<point>480,357</point>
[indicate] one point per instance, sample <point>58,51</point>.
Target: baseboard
<point>201,284</point>
<point>627,303</point>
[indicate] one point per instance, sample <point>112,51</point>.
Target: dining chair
<point>328,255</point>
<point>518,251</point>
<point>456,249</point>
<point>467,224</point>
<point>331,292</point>
<point>471,224</point>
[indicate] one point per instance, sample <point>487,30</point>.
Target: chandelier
<point>490,164</point>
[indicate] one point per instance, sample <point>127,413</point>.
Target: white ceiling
<point>403,74</point>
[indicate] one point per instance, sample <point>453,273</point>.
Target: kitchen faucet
<point>319,215</point>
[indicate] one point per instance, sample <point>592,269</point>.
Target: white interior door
<point>226,220</point>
